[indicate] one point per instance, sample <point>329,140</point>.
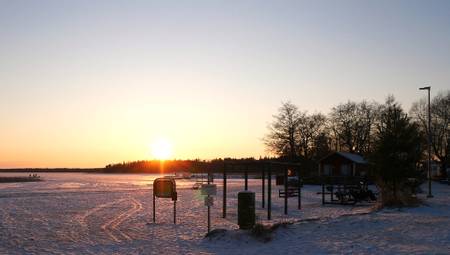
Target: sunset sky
<point>87,83</point>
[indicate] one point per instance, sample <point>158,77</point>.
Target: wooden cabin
<point>342,164</point>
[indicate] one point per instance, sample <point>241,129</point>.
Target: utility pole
<point>429,140</point>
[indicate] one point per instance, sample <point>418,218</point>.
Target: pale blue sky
<point>86,83</point>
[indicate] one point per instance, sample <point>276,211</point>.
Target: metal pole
<point>224,200</point>
<point>269,195</point>
<point>209,219</point>
<point>429,140</point>
<point>429,145</point>
<point>174,212</point>
<point>263,191</point>
<point>154,211</point>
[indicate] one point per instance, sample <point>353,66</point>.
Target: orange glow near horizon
<point>104,93</point>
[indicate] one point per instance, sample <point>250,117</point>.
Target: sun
<point>161,149</point>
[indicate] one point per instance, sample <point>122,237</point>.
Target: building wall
<point>336,165</point>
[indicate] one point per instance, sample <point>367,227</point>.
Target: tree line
<point>150,166</point>
<point>355,127</point>
<point>178,166</point>
<point>393,141</point>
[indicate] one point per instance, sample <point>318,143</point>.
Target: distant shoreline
<point>13,179</point>
<point>52,170</point>
<point>78,170</point>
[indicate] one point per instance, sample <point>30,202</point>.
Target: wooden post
<point>209,208</point>
<point>332,191</point>
<point>299,183</point>
<point>224,200</point>
<point>246,180</point>
<point>323,190</point>
<point>300,199</point>
<point>286,191</point>
<point>269,195</point>
<point>263,191</point>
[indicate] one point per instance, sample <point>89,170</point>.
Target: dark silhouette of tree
<point>351,125</point>
<point>150,166</point>
<point>298,136</point>
<point>310,127</point>
<point>282,139</point>
<point>440,125</point>
<point>175,166</point>
<point>322,146</point>
<point>294,134</point>
<point>396,152</point>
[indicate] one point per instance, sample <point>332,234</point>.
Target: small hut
<point>343,164</point>
<point>343,175</point>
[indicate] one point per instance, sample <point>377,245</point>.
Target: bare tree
<point>282,138</point>
<point>351,125</point>
<point>440,125</point>
<point>322,145</point>
<point>310,127</point>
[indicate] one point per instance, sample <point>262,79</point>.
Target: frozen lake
<point>86,213</point>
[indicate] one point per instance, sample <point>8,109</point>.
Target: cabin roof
<point>350,156</point>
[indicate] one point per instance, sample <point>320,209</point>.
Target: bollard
<point>246,209</point>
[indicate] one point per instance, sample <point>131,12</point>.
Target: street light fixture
<point>429,141</point>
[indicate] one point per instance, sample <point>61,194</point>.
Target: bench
<point>291,192</point>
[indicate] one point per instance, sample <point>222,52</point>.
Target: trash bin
<point>246,209</point>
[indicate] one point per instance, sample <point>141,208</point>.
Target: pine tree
<point>396,153</point>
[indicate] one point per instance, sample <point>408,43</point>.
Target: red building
<point>343,164</point>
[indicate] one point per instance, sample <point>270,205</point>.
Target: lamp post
<point>429,141</point>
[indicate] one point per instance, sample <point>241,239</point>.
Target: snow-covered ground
<point>79,213</point>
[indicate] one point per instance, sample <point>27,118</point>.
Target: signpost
<point>209,201</point>
<point>209,190</point>
<point>165,188</point>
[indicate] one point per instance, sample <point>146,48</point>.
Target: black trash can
<point>246,209</point>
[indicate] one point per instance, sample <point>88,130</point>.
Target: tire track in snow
<point>82,218</point>
<point>111,226</point>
